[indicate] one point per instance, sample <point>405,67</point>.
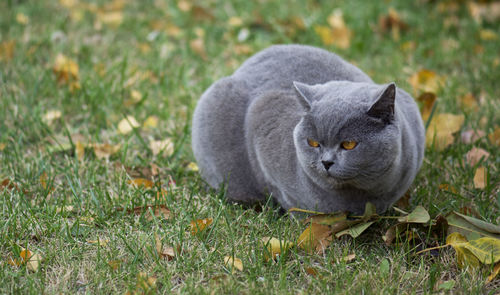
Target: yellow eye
<point>349,145</point>
<point>313,143</point>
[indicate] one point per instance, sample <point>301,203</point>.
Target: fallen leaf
<point>275,247</point>
<point>159,146</point>
<point>192,167</point>
<point>50,116</point>
<point>494,273</point>
<point>127,124</point>
<point>79,150</point>
<point>494,137</point>
<point>337,34</point>
<point>480,177</point>
<point>488,35</point>
<point>7,50</point>
<point>470,227</point>
<point>484,11</point>
<point>184,5</point>
<point>486,250</point>
<point>475,155</point>
<point>141,182</point>
<point>233,262</point>
<point>114,264</point>
<point>99,241</point>
<point>346,259</point>
<point>311,271</point>
<point>426,81</point>
<point>235,21</point>
<point>145,284</point>
<point>8,184</point>
<point>135,97</point>
<point>418,215</point>
<point>469,102</point>
<point>65,69</point>
<point>200,13</point>
<point>22,18</point>
<point>428,100</point>
<point>110,18</point>
<point>164,252</point>
<point>32,260</point>
<point>464,256</point>
<point>315,238</point>
<point>447,187</point>
<point>198,46</point>
<point>404,201</point>
<point>356,230</point>
<point>441,129</point>
<point>327,219</point>
<point>2,146</point>
<point>200,225</point>
<point>104,150</point>
<point>151,122</point>
<point>471,136</point>
<point>392,22</point>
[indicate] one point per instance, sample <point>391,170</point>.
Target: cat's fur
<point>250,133</point>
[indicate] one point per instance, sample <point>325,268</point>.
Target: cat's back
<point>278,66</point>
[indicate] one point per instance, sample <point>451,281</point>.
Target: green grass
<point>174,78</point>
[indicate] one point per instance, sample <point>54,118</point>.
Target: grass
<point>150,51</point>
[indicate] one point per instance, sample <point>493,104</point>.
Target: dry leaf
<point>469,102</point>
<point>135,97</point>
<point>66,70</point>
<point>426,81</point>
<point>392,21</point>
<point>470,136</point>
<point>165,252</point>
<point>110,18</point>
<point>275,247</point>
<point>480,178</point>
<point>233,262</point>
<point>8,184</point>
<point>151,122</point>
<point>99,241</point>
<point>464,256</point>
<point>347,259</point>
<point>475,155</point>
<point>311,271</point>
<point>315,238</point>
<point>141,182</point>
<point>200,225</point>
<point>192,166</point>
<point>7,50</point>
<point>114,264</point>
<point>159,146</point>
<point>184,5</point>
<point>337,33</point>
<point>484,11</point>
<point>22,18</point>
<point>79,150</point>
<point>127,124</point>
<point>104,150</point>
<point>428,100</point>
<point>494,137</point>
<point>50,116</point>
<point>494,273</point>
<point>198,46</point>
<point>441,129</point>
<point>145,284</point>
<point>32,260</point>
<point>235,21</point>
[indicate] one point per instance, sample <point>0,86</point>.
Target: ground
<point>73,70</point>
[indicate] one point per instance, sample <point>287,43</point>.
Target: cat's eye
<point>313,143</point>
<point>349,144</point>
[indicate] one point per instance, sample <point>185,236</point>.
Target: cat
<point>310,129</point>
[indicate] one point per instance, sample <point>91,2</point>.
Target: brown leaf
<point>469,102</point>
<point>426,81</point>
<point>337,33</point>
<point>167,253</point>
<point>494,137</point>
<point>428,100</point>
<point>65,69</point>
<point>494,273</point>
<point>200,225</point>
<point>114,264</point>
<point>105,150</point>
<point>200,13</point>
<point>441,129</point>
<point>315,238</point>
<point>404,201</point>
<point>32,260</point>
<point>8,184</point>
<point>141,182</point>
<point>480,177</point>
<point>198,46</point>
<point>392,22</point>
<point>311,271</point>
<point>475,155</point>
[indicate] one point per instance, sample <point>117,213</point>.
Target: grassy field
<point>72,70</point>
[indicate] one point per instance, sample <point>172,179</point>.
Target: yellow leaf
<point>65,69</point>
<point>494,273</point>
<point>80,150</point>
<point>441,129</point>
<point>184,5</point>
<point>138,182</point>
<point>426,81</point>
<point>200,225</point>
<point>486,249</point>
<point>192,166</point>
<point>475,155</point>
<point>127,124</point>
<point>427,99</point>
<point>488,35</point>
<point>151,122</point>
<point>114,264</point>
<point>159,146</point>
<point>198,46</point>
<point>469,102</point>
<point>464,256</point>
<point>145,284</point>
<point>111,18</point>
<point>99,241</point>
<point>104,150</point>
<point>315,238</point>
<point>233,262</point>
<point>235,21</point>
<point>480,177</point>
<point>2,146</point>
<point>22,18</point>
<point>7,50</point>
<point>32,260</point>
<point>50,116</point>
<point>494,137</point>
<point>135,97</point>
<point>275,247</point>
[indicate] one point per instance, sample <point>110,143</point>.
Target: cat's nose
<point>327,164</point>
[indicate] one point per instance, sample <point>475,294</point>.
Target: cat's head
<point>348,135</point>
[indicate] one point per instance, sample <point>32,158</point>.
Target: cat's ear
<point>305,94</point>
<point>383,108</point>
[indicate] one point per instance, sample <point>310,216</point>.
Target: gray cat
<point>312,130</point>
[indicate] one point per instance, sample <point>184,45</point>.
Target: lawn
<point>97,94</point>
